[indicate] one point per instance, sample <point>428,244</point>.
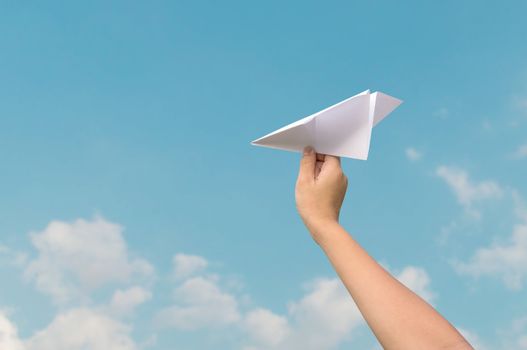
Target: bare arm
<point>399,318</point>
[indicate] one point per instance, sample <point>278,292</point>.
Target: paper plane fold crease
<point>343,129</point>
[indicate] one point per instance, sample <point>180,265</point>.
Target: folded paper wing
<point>343,129</point>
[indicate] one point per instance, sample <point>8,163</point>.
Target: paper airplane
<point>343,129</point>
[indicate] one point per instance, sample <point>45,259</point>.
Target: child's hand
<point>320,190</point>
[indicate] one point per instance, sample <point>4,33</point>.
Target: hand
<point>320,190</point>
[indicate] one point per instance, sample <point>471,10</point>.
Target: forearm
<point>399,318</point>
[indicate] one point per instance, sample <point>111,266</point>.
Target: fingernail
<point>308,150</point>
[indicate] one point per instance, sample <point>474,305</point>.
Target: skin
<point>398,317</point>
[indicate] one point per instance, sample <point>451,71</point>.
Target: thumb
<point>332,161</point>
<point>307,165</point>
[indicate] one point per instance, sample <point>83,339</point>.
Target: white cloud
<point>473,339</point>
<point>322,319</point>
<point>265,327</point>
<point>521,152</point>
<point>520,208</point>
<point>515,335</point>
<point>72,260</point>
<point>9,334</point>
<point>12,257</point>
<point>466,191</point>
<point>75,258</point>
<point>519,328</point>
<point>416,279</point>
<point>502,259</point>
<point>187,265</point>
<point>200,303</point>
<point>82,329</point>
<point>325,317</point>
<point>76,329</point>
<point>125,301</point>
<point>412,154</point>
<point>505,261</point>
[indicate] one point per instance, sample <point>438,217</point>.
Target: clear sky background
<point>134,214</point>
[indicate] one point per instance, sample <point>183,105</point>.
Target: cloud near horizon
<point>324,316</point>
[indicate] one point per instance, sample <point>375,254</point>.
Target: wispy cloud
<point>413,154</point>
<point>521,152</point>
<point>519,108</point>
<point>486,125</point>
<point>514,336</point>
<point>467,191</point>
<point>506,261</point>
<point>520,102</point>
<point>473,338</point>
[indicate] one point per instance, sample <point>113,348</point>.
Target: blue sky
<point>134,214</point>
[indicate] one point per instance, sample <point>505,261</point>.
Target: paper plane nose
<point>292,137</point>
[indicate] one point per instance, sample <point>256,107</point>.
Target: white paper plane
<point>343,129</point>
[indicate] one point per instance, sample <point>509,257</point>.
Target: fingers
<point>313,164</point>
<point>307,165</point>
<point>318,168</point>
<point>319,164</point>
<point>333,161</point>
<point>331,165</point>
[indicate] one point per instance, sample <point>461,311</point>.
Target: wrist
<point>321,228</point>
